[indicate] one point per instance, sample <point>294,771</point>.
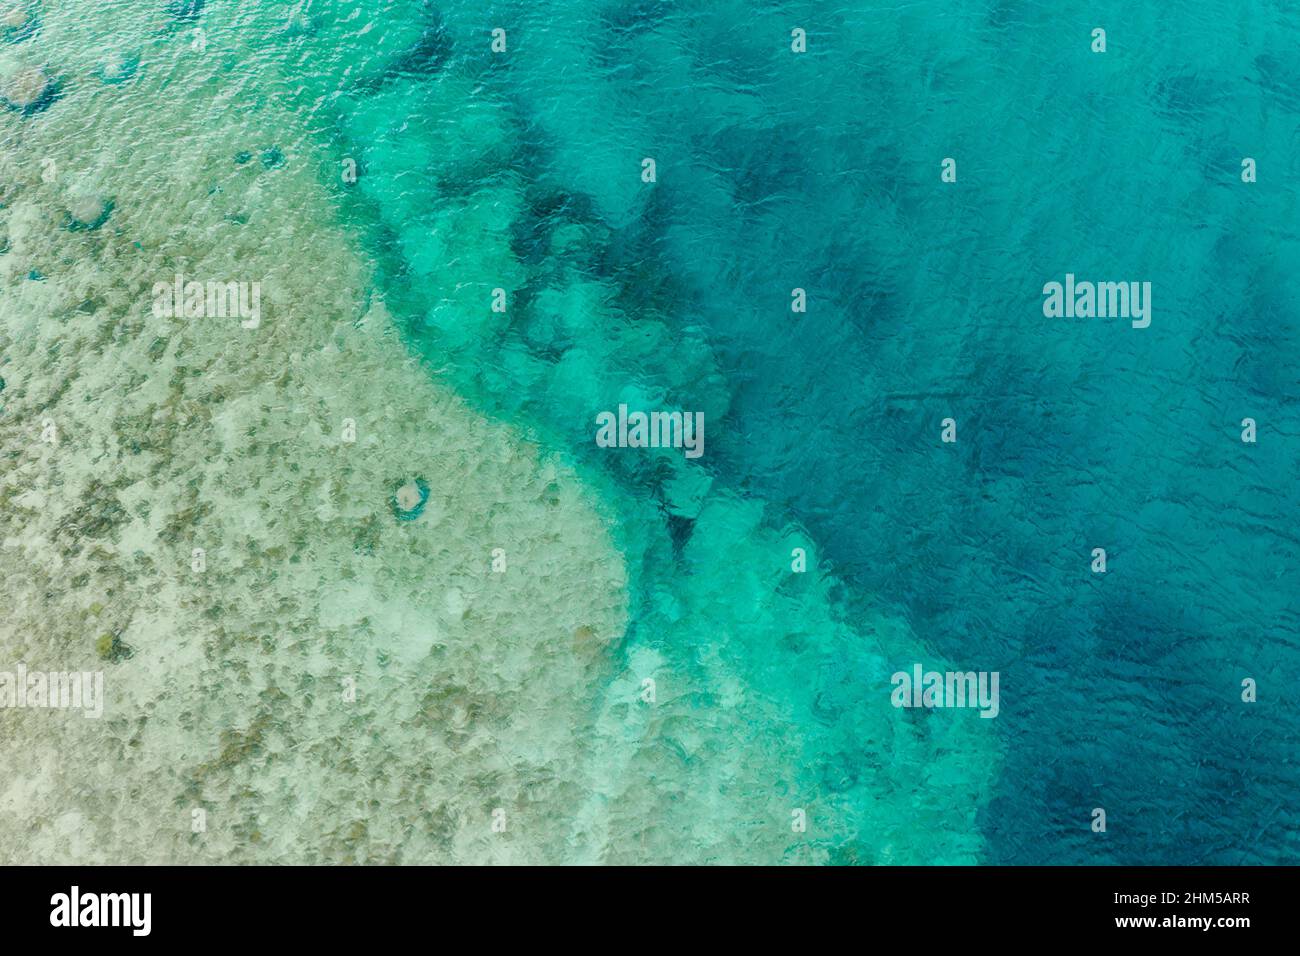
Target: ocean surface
<point>462,250</point>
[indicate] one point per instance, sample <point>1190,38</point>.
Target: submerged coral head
<point>409,500</point>
<point>117,68</point>
<point>185,9</point>
<point>18,20</point>
<point>87,211</point>
<point>27,90</point>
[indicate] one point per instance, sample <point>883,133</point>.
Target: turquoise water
<point>821,171</point>
<point>456,170</point>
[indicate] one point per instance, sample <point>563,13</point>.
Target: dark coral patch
<point>185,9</point>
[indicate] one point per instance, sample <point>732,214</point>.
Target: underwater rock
<point>18,21</point>
<point>272,157</point>
<point>87,212</point>
<point>409,500</point>
<point>27,90</point>
<point>185,9</point>
<point>427,56</point>
<point>117,68</point>
<point>416,44</point>
<point>110,648</point>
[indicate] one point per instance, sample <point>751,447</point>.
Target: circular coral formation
<point>117,68</point>
<point>272,157</point>
<point>27,89</point>
<point>88,211</point>
<point>409,500</point>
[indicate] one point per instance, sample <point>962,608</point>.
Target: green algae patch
<point>111,649</point>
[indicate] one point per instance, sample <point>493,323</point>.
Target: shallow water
<point>382,172</point>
